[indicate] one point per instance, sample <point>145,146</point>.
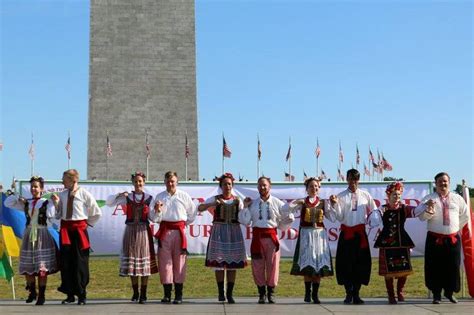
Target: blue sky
<point>393,75</point>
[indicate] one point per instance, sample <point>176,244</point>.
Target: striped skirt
<point>138,254</point>
<point>226,247</point>
<point>312,254</point>
<point>39,257</point>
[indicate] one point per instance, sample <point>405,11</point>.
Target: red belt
<point>258,234</point>
<point>79,226</point>
<point>165,226</point>
<point>441,237</point>
<point>351,231</point>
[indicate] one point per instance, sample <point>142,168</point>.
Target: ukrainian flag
<point>11,233</point>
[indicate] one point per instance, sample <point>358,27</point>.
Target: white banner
<point>106,235</point>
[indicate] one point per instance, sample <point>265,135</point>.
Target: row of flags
<point>378,165</point>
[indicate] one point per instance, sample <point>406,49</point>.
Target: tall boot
<point>143,298</point>
<point>229,292</point>
<point>356,297</point>
<point>261,294</point>
<point>436,296</point>
<point>270,294</point>
<point>167,288</point>
<point>41,296</point>
<point>400,285</point>
<point>32,288</point>
<point>220,288</point>
<point>349,293</point>
<point>390,291</point>
<point>135,293</point>
<point>178,293</point>
<point>307,292</point>
<point>314,294</point>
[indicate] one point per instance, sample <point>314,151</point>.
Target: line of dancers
<point>445,212</point>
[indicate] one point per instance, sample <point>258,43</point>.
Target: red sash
<point>441,237</point>
<point>165,226</point>
<point>258,234</point>
<point>351,231</point>
<point>79,226</point>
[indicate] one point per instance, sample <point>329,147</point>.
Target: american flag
<point>147,147</point>
<point>376,167</point>
<point>225,149</point>
<point>318,149</point>
<point>31,151</point>
<point>305,176</point>
<point>288,154</point>
<point>323,175</point>
<point>386,166</point>
<point>68,147</point>
<point>339,175</point>
<point>259,149</point>
<point>357,155</point>
<point>187,152</point>
<point>341,154</point>
<point>366,170</point>
<point>289,178</point>
<point>108,148</point>
<point>371,156</point>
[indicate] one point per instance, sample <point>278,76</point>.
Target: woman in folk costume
<point>395,243</point>
<point>312,258</point>
<point>226,247</point>
<point>138,258</point>
<point>38,249</point>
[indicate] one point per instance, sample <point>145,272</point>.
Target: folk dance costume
<point>394,245</point>
<point>226,247</point>
<point>38,254</point>
<point>353,260</point>
<point>312,253</point>
<point>137,258</point>
<point>77,210</point>
<point>177,212</point>
<point>443,243</point>
<point>265,217</point>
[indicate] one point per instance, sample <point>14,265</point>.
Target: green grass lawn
<point>105,282</point>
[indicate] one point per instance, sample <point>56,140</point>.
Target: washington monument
<point>142,81</point>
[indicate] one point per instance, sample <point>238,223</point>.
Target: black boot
<point>230,289</point>
<point>143,298</point>
<point>32,288</point>
<point>356,298</point>
<point>261,294</point>
<point>135,293</point>
<point>449,295</point>
<point>314,294</point>
<point>436,296</point>
<point>270,296</point>
<point>70,299</point>
<point>41,298</point>
<point>349,294</point>
<point>178,293</point>
<point>220,288</point>
<point>307,292</point>
<point>81,299</point>
<point>167,293</point>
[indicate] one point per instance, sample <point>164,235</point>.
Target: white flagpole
<point>289,160</point>
<point>69,152</point>
<point>258,158</point>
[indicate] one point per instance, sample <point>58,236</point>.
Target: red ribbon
<point>79,226</point>
<point>165,226</point>
<point>351,231</point>
<point>258,234</point>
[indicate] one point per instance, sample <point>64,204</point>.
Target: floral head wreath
<point>310,179</point>
<point>226,175</point>
<point>141,174</point>
<point>36,179</point>
<point>394,186</point>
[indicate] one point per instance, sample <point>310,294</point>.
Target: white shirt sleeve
<point>13,202</point>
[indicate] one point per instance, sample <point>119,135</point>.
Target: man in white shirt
<point>174,210</point>
<point>77,209</point>
<point>446,214</point>
<point>354,208</point>
<point>265,215</point>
